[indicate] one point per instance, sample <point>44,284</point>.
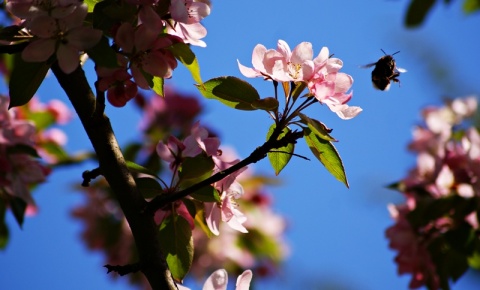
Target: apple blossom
<point>189,33</point>
<point>65,37</point>
<point>188,11</point>
<point>219,280</point>
<point>413,256</point>
<point>441,193</point>
<point>146,51</point>
<point>185,23</point>
<point>18,169</point>
<point>321,74</point>
<point>175,112</point>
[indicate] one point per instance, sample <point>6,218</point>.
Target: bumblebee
<point>385,71</point>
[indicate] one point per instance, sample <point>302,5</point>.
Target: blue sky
<point>336,235</point>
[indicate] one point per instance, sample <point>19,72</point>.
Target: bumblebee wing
<point>368,65</point>
<point>400,70</point>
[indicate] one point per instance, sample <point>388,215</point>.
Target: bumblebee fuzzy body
<point>385,71</point>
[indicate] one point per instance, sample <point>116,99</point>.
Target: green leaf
<point>158,86</point>
<point>195,169</point>
<point>185,55</point>
<point>134,167</point>
<point>91,4</point>
<point>280,158</point>
<point>148,187</point>
<point>103,55</point>
<point>57,151</point>
<point>131,150</point>
<point>474,261</point>
<point>22,149</point>
<point>231,91</point>
<point>470,6</point>
<point>297,91</point>
<point>18,207</point>
<point>317,127</point>
<point>41,119</point>
<point>267,104</point>
<point>327,154</point>
<point>177,245</point>
<point>25,80</point>
<point>261,245</point>
<point>196,209</point>
<point>417,11</point>
<point>206,194</point>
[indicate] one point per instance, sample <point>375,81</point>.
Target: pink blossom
<point>269,64</point>
<point>325,82</point>
<point>23,172</point>
<point>175,150</point>
<point>12,129</point>
<point>189,33</point>
<point>148,16</point>
<point>174,112</point>
<point>330,87</point>
<point>188,11</point>
<point>117,82</point>
<point>219,280</point>
<point>226,210</point>
<point>65,37</point>
<point>147,52</point>
<point>413,256</point>
<point>29,9</point>
<point>208,144</point>
<point>448,162</point>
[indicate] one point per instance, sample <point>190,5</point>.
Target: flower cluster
<point>321,74</point>
<point>441,195</point>
<point>143,50</point>
<point>142,40</point>
<point>198,143</point>
<point>19,170</point>
<point>57,27</point>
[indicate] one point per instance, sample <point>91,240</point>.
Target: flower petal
<point>301,53</point>
<point>217,281</point>
<point>83,37</point>
<point>39,50</point>
<point>68,59</point>
<point>243,281</point>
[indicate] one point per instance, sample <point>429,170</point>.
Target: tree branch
<point>88,175</point>
<point>258,154</point>
<point>123,270</point>
<point>112,165</point>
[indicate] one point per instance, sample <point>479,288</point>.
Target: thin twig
<point>258,154</point>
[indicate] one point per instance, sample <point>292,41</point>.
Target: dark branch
<point>100,101</point>
<point>115,171</point>
<point>257,155</point>
<point>13,48</point>
<point>88,175</point>
<point>123,270</point>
